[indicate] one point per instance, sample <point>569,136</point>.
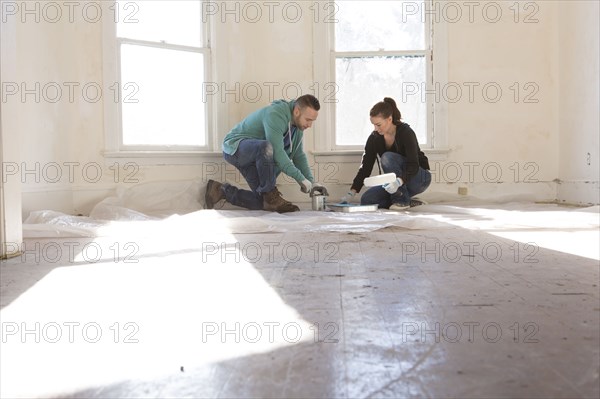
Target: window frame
<point>113,129</point>
<point>436,71</point>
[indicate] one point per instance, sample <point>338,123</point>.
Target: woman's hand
<point>393,186</point>
<point>348,197</point>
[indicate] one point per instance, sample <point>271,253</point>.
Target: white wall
<point>516,132</point>
<point>518,139</point>
<point>579,46</point>
<point>44,61</point>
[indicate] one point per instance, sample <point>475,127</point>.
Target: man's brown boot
<point>214,193</point>
<point>273,201</point>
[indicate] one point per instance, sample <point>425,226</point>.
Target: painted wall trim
<point>10,190</point>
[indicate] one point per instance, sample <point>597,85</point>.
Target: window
<point>375,49</point>
<point>158,56</point>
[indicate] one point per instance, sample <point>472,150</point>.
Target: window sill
<point>163,157</point>
<point>352,156</point>
<point>339,156</point>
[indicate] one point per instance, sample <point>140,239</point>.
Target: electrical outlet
<point>463,191</point>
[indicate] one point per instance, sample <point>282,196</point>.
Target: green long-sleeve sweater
<point>272,123</point>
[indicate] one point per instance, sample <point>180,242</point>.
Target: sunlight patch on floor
<point>140,319</point>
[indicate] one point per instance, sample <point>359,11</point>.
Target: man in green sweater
<point>266,143</point>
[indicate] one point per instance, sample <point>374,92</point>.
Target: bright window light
<point>168,109</point>
<point>380,50</point>
<point>364,81</point>
<point>162,68</point>
<point>173,22</point>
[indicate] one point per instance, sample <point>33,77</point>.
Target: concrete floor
<point>393,313</point>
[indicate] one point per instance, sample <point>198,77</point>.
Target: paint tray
<point>351,207</point>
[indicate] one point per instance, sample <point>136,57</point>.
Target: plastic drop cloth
<point>168,208</point>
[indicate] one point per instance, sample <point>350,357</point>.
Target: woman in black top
<point>395,143</point>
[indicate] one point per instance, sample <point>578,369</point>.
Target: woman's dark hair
<point>387,108</point>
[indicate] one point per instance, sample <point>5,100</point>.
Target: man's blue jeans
<point>392,162</point>
<point>254,160</point>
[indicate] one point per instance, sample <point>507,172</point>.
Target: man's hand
<point>305,186</point>
<point>320,188</point>
<point>393,186</point>
<point>348,197</point>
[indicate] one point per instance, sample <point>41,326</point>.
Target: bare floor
<point>392,313</point>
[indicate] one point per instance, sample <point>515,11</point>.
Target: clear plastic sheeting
<point>151,201</point>
<point>54,224</point>
<point>173,208</point>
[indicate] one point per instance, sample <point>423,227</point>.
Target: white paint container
<point>318,202</point>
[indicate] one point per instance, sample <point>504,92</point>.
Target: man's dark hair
<point>308,100</point>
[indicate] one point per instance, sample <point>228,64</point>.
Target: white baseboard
<point>579,192</point>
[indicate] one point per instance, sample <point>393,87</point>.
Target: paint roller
<point>380,180</point>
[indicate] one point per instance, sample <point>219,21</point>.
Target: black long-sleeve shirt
<point>405,144</point>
